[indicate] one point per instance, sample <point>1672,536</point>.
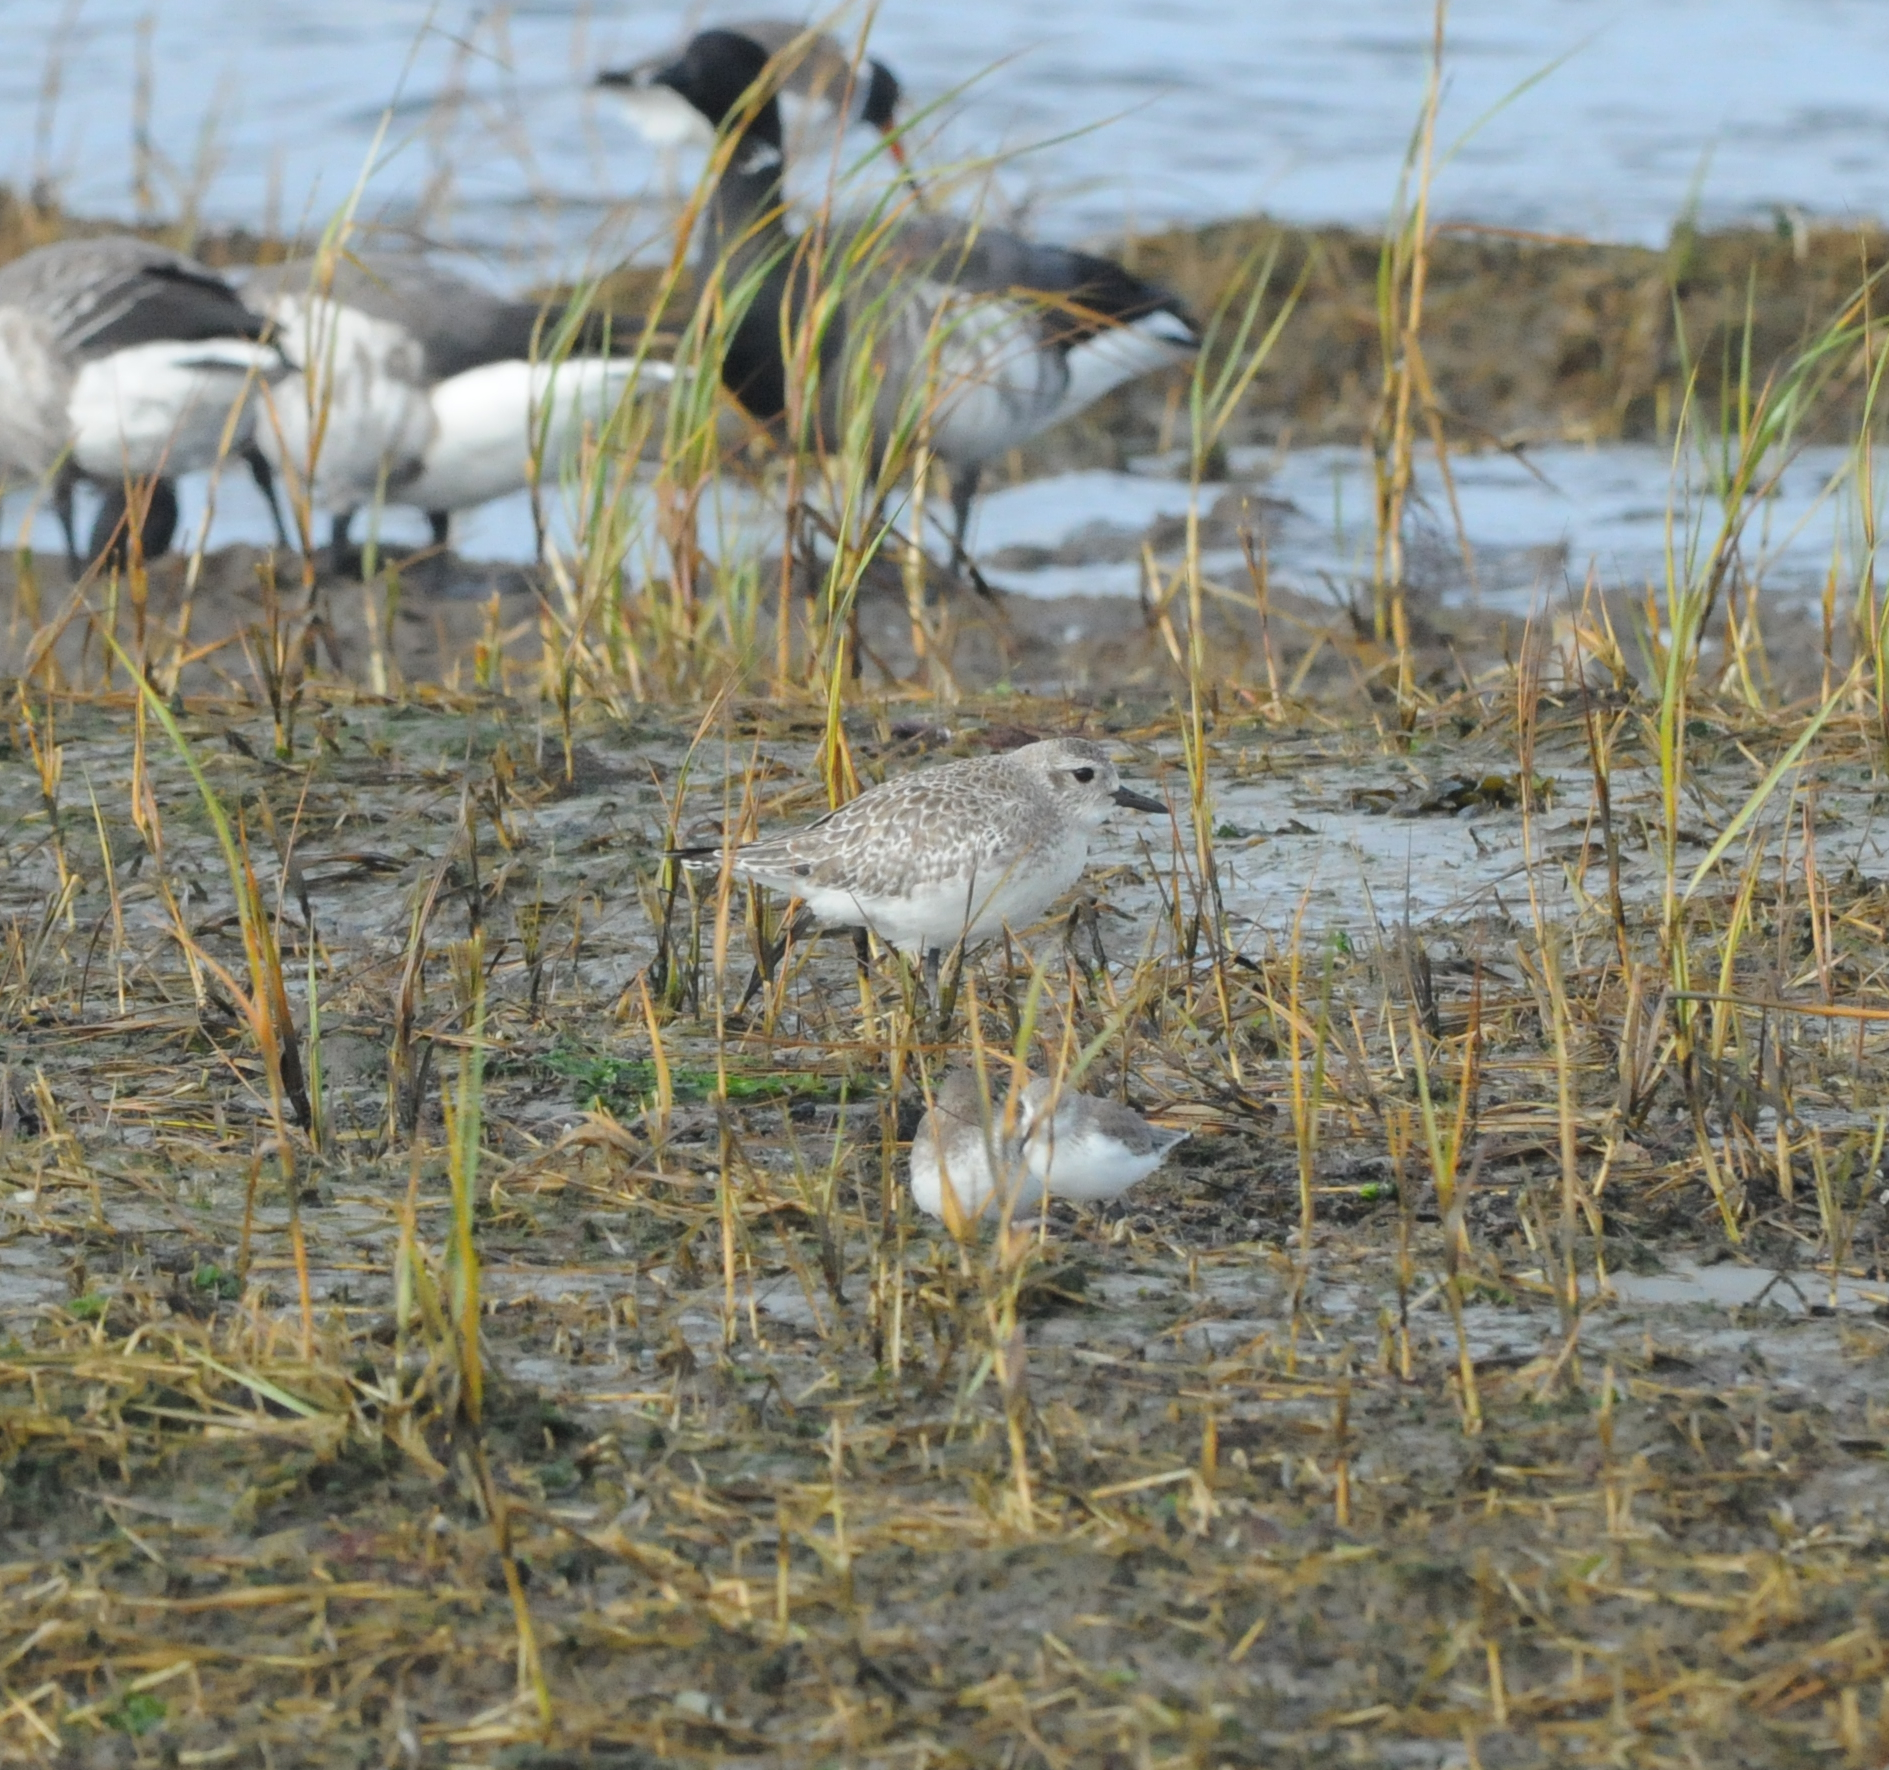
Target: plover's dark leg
<point>947,1000</point>
<point>772,952</point>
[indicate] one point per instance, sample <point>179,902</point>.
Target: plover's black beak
<point>1129,800</point>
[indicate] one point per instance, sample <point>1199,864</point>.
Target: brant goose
<point>421,388</point>
<point>123,363</point>
<point>998,338</point>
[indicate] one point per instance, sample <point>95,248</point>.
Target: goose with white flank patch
<point>123,363</point>
<point>995,338</point>
<point>423,389</point>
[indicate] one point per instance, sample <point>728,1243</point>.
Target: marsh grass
<point>454,1316</point>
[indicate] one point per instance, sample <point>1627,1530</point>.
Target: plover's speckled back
<point>949,853</point>
<point>1085,1150</point>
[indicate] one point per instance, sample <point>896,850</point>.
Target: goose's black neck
<point>747,246</point>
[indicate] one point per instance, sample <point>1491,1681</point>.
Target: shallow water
<point>1180,110</point>
<point>1536,524</point>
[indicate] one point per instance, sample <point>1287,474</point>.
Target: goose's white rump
<point>492,419</point>
<point>128,357</point>
<point>421,388</point>
<point>167,407</point>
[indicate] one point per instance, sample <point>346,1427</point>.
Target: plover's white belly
<point>165,407</point>
<point>938,913</point>
<point>1085,1165</point>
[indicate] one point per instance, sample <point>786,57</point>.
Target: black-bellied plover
<point>424,389</point>
<point>978,337</point>
<point>947,856</point>
<point>120,361</point>
<point>974,1148</point>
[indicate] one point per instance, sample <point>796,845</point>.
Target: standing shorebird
<point>947,856</point>
<point>971,1148</point>
<point>124,362</point>
<point>421,388</point>
<point>979,338</point>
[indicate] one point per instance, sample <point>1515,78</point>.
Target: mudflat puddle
<point>1732,1288</point>
<point>1535,522</point>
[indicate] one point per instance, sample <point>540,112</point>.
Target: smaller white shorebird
<point>123,361</point>
<point>421,388</point>
<point>947,856</point>
<point>1061,1144</point>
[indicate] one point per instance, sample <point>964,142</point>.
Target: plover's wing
<point>942,824</point>
<point>1112,1119</point>
<point>1090,1148</point>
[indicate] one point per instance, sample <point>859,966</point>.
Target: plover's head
<point>1081,779</point>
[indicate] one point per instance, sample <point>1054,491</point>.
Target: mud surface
<point>758,1471</point>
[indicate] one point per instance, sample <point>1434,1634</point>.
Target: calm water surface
<point>1188,108</point>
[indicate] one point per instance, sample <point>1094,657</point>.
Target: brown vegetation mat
<point>1527,340</point>
<point>1349,1440</point>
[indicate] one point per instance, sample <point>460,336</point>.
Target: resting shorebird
<point>979,337</point>
<point>947,856</point>
<point>120,362</point>
<point>421,388</point>
<point>1085,1150</point>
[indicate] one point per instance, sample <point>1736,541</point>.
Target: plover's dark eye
<point>1085,775</point>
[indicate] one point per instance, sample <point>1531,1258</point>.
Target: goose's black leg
<point>963,490</point>
<point>963,567</point>
<point>342,552</point>
<point>264,476</point>
<point>110,539</point>
<point>62,490</point>
<point>441,523</point>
